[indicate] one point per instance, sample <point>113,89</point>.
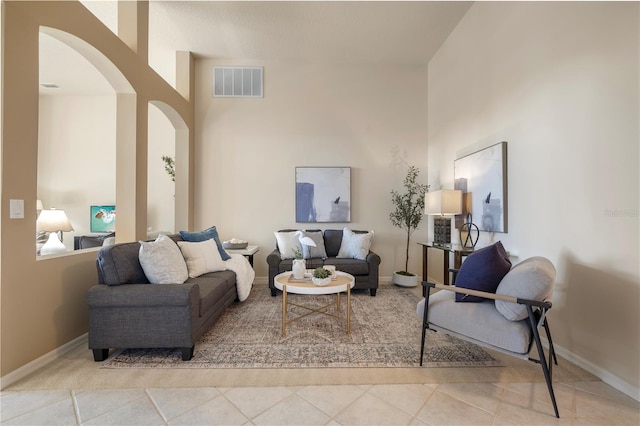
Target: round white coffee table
<point>343,283</point>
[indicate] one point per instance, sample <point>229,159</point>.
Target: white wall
<point>76,160</point>
<point>366,118</point>
<point>559,83</point>
<point>76,156</point>
<point>160,187</point>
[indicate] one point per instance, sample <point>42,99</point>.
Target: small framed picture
<point>103,218</point>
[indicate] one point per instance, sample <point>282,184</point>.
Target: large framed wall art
<point>482,177</point>
<point>323,194</point>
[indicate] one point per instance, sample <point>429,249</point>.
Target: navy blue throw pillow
<point>207,234</point>
<point>483,270</point>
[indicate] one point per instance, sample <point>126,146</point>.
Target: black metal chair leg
<point>543,361</point>
<point>424,331</point>
<point>552,350</point>
<point>425,323</point>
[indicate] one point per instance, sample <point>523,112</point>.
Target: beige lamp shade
<point>443,202</point>
<point>53,221</point>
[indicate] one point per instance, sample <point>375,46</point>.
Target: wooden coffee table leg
<point>348,309</point>
<point>284,310</point>
<point>338,301</point>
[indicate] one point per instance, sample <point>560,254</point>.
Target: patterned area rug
<point>385,332</point>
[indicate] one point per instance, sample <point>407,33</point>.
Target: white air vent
<point>237,82</point>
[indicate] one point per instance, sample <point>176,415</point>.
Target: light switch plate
<point>16,209</point>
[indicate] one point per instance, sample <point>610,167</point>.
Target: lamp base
<point>441,230</point>
<point>53,245</point>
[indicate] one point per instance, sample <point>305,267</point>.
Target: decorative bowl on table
<point>235,244</point>
<point>321,282</point>
<point>321,277</point>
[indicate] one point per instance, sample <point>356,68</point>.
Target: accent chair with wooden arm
<point>507,321</point>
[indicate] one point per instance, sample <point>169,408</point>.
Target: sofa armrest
<point>373,258</point>
<point>274,258</point>
<point>143,295</point>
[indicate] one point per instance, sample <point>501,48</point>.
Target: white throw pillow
<point>288,242</point>
<point>162,261</point>
<point>355,246</point>
<point>201,257</point>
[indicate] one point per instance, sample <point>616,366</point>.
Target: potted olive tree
<point>407,215</point>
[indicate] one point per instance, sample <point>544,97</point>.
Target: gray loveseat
<point>365,272</point>
<point>126,311</point>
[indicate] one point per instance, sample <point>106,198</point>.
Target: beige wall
<point>77,138</point>
<point>161,190</point>
<point>369,118</point>
<point>559,83</point>
<point>42,301</point>
<point>76,156</point>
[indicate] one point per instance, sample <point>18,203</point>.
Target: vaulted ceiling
<point>334,31</point>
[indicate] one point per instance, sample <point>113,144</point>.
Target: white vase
<point>299,268</point>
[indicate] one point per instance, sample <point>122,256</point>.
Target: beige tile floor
<point>581,403</point>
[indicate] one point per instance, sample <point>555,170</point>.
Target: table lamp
<point>53,221</point>
<point>440,203</point>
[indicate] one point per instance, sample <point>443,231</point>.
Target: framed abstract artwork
<point>103,218</point>
<point>323,194</point>
<point>482,177</point>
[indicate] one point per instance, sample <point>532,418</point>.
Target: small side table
<point>246,252</point>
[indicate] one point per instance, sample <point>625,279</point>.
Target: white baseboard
<point>38,363</point>
<point>604,375</point>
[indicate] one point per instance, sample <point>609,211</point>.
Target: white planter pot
<point>405,280</point>
<point>321,282</point>
<point>299,268</point>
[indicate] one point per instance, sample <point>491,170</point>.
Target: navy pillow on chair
<point>483,270</point>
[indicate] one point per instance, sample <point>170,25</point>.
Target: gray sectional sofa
<point>126,311</point>
<point>365,272</point>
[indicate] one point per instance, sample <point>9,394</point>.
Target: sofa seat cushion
<point>481,320</point>
<point>350,266</point>
<point>213,287</point>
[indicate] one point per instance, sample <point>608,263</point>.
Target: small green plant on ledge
<point>321,273</point>
<point>170,166</point>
